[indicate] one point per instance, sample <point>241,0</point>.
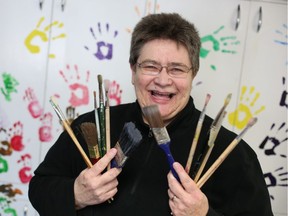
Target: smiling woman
<point>164,60</point>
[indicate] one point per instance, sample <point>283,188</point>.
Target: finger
<point>188,184</point>
<point>104,161</point>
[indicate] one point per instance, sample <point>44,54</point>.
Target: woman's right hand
<point>92,187</point>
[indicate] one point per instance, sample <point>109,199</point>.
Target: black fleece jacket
<point>236,188</point>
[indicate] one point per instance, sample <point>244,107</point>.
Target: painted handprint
<point>283,99</point>
<point>104,46</point>
<point>10,84</point>
<point>282,35</point>
<point>218,44</point>
<point>24,173</point>
<point>7,198</point>
<point>278,177</point>
<point>243,113</point>
<point>151,7</point>
<point>9,191</point>
<point>34,107</point>
<point>45,131</point>
<point>3,165</point>
<point>114,93</point>
<point>43,35</point>
<point>79,92</point>
<point>270,143</point>
<point>16,136</point>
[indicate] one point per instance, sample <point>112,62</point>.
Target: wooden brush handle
<point>73,137</point>
<point>217,163</point>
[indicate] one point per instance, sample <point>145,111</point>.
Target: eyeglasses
<point>154,69</point>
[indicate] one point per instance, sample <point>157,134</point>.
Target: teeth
<point>163,94</point>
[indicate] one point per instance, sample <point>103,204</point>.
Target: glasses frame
<point>168,71</point>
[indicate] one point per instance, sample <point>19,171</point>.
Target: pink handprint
<point>34,106</point>
<point>25,172</point>
<point>45,131</point>
<point>82,96</point>
<point>114,93</point>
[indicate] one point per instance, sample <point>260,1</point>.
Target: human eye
<point>175,70</point>
<point>149,66</point>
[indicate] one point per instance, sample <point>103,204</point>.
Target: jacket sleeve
<point>51,190</point>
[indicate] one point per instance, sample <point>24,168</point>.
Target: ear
<point>133,73</point>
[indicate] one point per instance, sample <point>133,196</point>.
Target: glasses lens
<point>150,68</point>
<point>179,71</point>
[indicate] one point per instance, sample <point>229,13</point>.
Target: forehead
<point>164,51</point>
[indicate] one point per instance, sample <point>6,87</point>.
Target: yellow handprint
<point>43,35</point>
<point>241,116</point>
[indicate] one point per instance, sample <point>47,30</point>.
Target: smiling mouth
<point>161,94</point>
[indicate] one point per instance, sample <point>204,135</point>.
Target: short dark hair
<point>166,26</point>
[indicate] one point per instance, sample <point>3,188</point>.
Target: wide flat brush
<point>130,138</point>
<point>197,134</point>
<point>225,153</point>
<point>153,116</point>
<point>69,130</point>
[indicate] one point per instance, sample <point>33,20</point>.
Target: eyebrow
<point>169,63</point>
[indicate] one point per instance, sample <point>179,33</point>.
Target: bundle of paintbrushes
<point>213,132</point>
<point>160,133</point>
<point>102,117</point>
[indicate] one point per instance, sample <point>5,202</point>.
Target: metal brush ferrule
<point>161,135</point>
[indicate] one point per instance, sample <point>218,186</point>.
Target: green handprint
<point>217,44</point>
<point>241,116</point>
<point>10,84</point>
<point>43,35</point>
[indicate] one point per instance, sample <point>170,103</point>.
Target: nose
<point>163,78</point>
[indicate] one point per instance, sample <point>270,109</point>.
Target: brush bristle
<point>100,79</point>
<point>252,121</point>
<point>228,98</point>
<point>153,116</point>
<point>130,138</point>
<point>90,135</point>
<point>208,96</point>
<point>106,85</point>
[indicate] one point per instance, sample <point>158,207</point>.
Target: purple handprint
<point>104,49</point>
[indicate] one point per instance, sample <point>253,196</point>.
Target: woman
<point>164,59</point>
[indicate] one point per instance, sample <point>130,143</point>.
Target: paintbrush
<point>160,133</point>
<point>97,120</point>
<point>197,134</point>
<point>89,133</point>
<point>213,134</point>
<point>101,116</point>
<point>225,153</point>
<point>69,130</point>
<point>107,117</point>
<point>214,130</point>
<point>130,138</point>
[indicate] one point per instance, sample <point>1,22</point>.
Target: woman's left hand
<point>186,198</point>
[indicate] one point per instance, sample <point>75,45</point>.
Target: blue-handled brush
<point>161,135</point>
